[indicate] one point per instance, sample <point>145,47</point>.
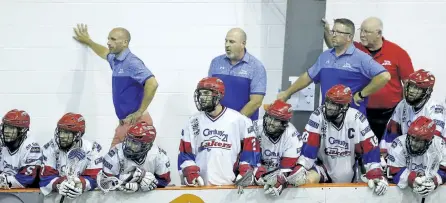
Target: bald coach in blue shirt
<point>244,76</point>
<point>133,84</point>
<point>343,64</point>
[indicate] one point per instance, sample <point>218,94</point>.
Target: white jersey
<point>55,161</point>
<point>404,115</point>
<point>335,146</point>
<point>282,153</point>
<point>217,145</point>
<point>398,159</point>
<point>156,162</point>
<point>21,165</point>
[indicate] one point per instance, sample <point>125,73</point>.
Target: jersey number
<point>350,133</point>
<point>305,136</point>
<point>374,141</point>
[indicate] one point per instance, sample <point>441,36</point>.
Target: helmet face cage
<point>135,149</point>
<point>416,95</point>
<point>11,134</point>
<point>333,110</point>
<point>206,99</point>
<point>416,146</point>
<point>273,127</point>
<point>65,139</point>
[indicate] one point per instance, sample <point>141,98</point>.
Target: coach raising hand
<point>133,84</point>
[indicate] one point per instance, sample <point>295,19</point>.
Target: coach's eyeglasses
<point>367,32</point>
<point>335,32</point>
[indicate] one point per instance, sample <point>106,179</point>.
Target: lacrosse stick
<point>109,183</point>
<point>76,164</point>
<point>244,181</point>
<point>433,162</point>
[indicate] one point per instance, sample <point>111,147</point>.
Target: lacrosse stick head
<point>246,180</point>
<point>107,183</point>
<point>76,161</point>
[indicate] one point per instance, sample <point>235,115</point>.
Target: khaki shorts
<point>121,130</point>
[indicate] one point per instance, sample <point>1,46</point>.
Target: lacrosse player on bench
<point>56,164</point>
<point>137,164</point>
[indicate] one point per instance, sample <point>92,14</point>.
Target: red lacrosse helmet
<point>139,140</point>
<point>422,128</point>
<point>17,118</point>
<point>214,84</point>
<point>339,94</point>
<point>422,78</point>
<point>72,122</point>
<point>206,101</point>
<point>142,132</point>
<point>280,110</point>
<point>420,135</point>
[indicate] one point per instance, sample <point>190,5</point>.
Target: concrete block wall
<point>45,72</point>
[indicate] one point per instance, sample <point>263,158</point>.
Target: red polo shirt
<point>398,63</point>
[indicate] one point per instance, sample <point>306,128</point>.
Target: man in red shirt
<point>395,59</point>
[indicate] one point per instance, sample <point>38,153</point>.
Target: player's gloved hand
<point>298,176</point>
<point>68,189</point>
<point>243,170</point>
<point>424,186</point>
<point>418,187</point>
<point>192,176</point>
<point>78,183</point>
<point>129,187</point>
<point>275,185</point>
<point>138,175</point>
<point>377,181</point>
<point>4,183</point>
<point>258,172</point>
<point>148,182</point>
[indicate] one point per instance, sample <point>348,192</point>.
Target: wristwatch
<point>360,95</point>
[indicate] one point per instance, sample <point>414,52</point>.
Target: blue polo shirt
<point>241,80</point>
<point>128,79</point>
<point>354,69</point>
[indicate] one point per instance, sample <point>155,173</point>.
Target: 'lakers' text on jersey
<point>21,165</point>
<point>336,146</point>
<point>54,170</point>
<point>403,116</point>
<point>217,144</point>
<point>406,168</point>
<point>281,153</point>
<point>156,162</point>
